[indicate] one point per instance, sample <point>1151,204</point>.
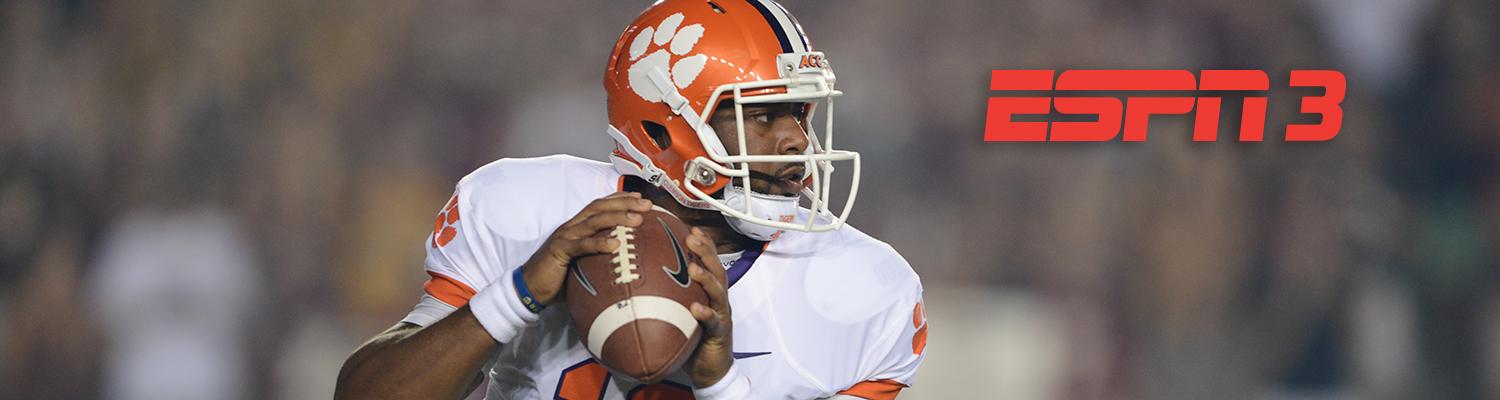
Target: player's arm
<point>898,364</point>
<point>894,377</point>
<point>410,361</point>
<point>443,360</point>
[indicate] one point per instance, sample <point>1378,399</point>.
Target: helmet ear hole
<point>658,134</point>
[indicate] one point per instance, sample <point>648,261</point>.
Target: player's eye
<point>800,113</point>
<point>764,118</point>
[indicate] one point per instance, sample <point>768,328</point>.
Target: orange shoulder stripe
<point>448,290</point>
<point>884,389</point>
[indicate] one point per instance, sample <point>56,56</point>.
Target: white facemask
<point>762,206</point>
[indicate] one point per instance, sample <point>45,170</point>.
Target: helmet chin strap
<point>672,97</point>
<point>680,106</point>
<point>638,164</point>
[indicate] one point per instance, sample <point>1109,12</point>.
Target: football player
<point>710,107</point>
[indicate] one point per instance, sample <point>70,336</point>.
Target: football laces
<point>624,258</point>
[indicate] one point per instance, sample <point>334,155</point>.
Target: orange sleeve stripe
<point>448,290</point>
<point>884,389</point>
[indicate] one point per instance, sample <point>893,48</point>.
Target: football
<point>630,306</point>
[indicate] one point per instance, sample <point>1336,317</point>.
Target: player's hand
<point>715,353</point>
<point>547,269</point>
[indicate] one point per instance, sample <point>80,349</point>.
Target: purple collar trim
<point>742,265</point>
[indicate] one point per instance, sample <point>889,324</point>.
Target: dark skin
<point>444,360</point>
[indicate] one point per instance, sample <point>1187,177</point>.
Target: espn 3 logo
<point>1047,117</point>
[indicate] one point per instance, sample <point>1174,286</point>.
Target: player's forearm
<point>439,361</point>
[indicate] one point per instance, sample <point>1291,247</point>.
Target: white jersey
<point>815,314</point>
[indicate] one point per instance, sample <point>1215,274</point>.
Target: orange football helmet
<point>677,62</point>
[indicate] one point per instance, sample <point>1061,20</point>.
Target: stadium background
<point>221,199</point>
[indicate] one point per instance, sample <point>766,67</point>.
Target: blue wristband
<point>525,293</point>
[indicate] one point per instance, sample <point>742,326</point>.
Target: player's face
<point>770,129</point>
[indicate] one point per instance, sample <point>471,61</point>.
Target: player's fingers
<point>701,312</point>
<point>601,221</point>
<point>623,194</point>
<point>619,201</point>
<point>703,247</point>
<point>713,323</point>
<point>587,246</point>
<point>630,201</point>
<point>718,295</point>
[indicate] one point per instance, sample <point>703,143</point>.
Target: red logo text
<point>1133,113</point>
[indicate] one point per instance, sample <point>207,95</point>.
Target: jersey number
<point>588,379</point>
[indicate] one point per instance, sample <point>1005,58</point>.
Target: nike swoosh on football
<point>681,274</point>
<point>739,355</point>
<point>578,274</point>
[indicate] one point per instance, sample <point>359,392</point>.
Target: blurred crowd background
<point>220,199</point>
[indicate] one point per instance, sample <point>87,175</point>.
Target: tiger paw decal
<point>444,229</point>
<point>668,46</point>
